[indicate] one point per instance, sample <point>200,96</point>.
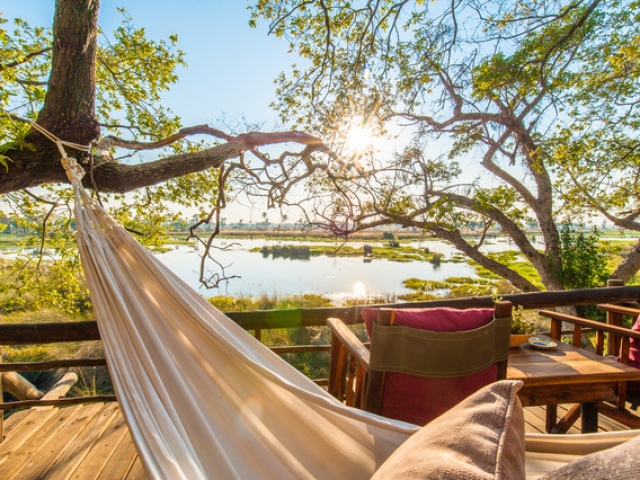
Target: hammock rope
<point>203,399</point>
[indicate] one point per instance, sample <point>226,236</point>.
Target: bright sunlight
<point>358,136</point>
<point>359,290</point>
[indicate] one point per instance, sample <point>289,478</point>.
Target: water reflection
<point>359,289</point>
<point>334,277</point>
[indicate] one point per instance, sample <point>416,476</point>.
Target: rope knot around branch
<point>74,171</point>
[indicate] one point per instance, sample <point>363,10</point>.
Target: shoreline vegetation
<point>391,246</point>
<point>388,245</point>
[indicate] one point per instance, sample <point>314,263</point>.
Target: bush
<point>582,263</point>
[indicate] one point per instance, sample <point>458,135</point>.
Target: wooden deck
<point>93,442</point>
<point>81,442</point>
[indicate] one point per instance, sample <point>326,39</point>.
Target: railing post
<point>613,318</point>
<point>1,401</point>
<point>334,370</point>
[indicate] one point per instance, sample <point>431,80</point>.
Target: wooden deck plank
<point>122,459</point>
<point>28,450</point>
<point>78,450</point>
<point>58,443</point>
<point>28,427</point>
<point>102,450</point>
<point>15,419</point>
<point>537,416</point>
<point>606,424</point>
<point>137,471</point>
<point>534,420</point>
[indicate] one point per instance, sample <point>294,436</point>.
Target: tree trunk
<point>69,107</point>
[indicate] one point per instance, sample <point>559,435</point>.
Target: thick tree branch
<point>490,264</point>
<point>29,169</point>
<point>629,266</point>
<point>111,141</point>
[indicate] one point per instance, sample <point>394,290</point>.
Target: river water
<point>338,278</point>
<point>335,277</point>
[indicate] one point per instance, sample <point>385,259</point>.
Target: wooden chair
<point>421,362</point>
<point>611,338</point>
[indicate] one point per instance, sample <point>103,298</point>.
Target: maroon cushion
<point>633,388</point>
<point>634,346</point>
<point>421,399</point>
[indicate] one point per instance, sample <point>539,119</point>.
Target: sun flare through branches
<point>356,138</point>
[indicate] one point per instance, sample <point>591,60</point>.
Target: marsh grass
<point>452,287</point>
<point>287,251</point>
<point>41,316</point>
<point>265,301</point>
<point>314,365</point>
<point>91,380</point>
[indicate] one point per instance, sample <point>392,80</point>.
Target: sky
<point>231,67</point>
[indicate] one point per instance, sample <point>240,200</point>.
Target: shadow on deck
<point>93,442</point>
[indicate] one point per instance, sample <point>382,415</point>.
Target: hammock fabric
<point>203,398</point>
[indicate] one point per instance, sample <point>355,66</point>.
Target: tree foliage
<point>510,113</point>
<point>103,90</point>
<point>504,112</point>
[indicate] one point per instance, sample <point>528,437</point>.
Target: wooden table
<point>566,374</point>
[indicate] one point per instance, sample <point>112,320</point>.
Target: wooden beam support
<point>20,387</point>
<point>35,333</point>
<point>52,364</point>
<point>61,387</point>
<point>63,402</point>
<point>567,421</point>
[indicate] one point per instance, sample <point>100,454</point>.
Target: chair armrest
<point>583,322</point>
<point>348,339</point>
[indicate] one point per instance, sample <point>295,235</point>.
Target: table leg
<point>589,414</point>
<point>552,417</point>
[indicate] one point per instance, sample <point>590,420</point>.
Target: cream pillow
<point>619,462</point>
<point>480,438</point>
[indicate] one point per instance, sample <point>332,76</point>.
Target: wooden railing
<point>257,321</point>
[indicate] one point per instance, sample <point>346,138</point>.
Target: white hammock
<point>203,398</point>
